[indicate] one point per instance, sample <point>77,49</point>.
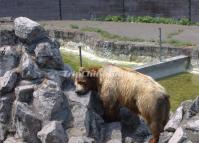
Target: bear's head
<point>86,80</point>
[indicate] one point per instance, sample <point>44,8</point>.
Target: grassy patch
<point>147,19</point>
<point>74,61</point>
<point>74,26</point>
<point>106,35</point>
<point>178,43</point>
<point>181,87</point>
<point>170,35</point>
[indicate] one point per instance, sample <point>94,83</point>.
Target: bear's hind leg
<point>155,129</point>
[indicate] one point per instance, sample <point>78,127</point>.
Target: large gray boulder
<point>24,93</point>
<point>175,120</point>
<point>28,30</point>
<point>113,132</point>
<point>179,136</point>
<point>9,59</point>
<point>165,137</point>
<point>11,139</point>
<point>79,110</point>
<point>50,103</point>
<point>8,81</point>
<point>53,132</point>
<point>194,108</point>
<point>48,55</point>
<point>6,102</point>
<point>27,122</point>
<point>192,124</point>
<point>63,77</point>
<point>29,70</point>
<point>81,139</point>
<point>3,132</point>
<point>86,120</point>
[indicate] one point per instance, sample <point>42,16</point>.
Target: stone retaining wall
<point>166,68</point>
<point>125,49</point>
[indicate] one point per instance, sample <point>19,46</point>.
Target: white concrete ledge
<point>167,67</point>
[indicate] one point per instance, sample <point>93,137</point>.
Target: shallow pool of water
<point>180,87</point>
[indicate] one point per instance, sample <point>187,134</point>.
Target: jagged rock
<point>63,78</point>
<point>175,120</point>
<point>8,81</point>
<point>192,124</point>
<point>74,98</point>
<point>79,110</point>
<point>3,131</point>
<point>30,82</point>
<point>81,139</point>
<point>28,30</point>
<point>86,121</point>
<point>48,55</point>
<point>140,134</point>
<point>9,59</point>
<point>114,141</point>
<point>27,123</point>
<point>134,129</point>
<point>79,113</point>
<point>53,132</point>
<point>194,109</point>
<point>24,93</point>
<point>29,69</point>
<point>13,140</point>
<point>179,136</point>
<point>113,132</point>
<point>165,137</point>
<point>6,102</point>
<point>128,140</point>
<point>51,103</point>
<point>95,126</point>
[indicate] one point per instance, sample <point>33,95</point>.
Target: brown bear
<point>124,87</point>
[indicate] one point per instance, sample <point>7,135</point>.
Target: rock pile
<point>183,125</point>
<point>33,106</point>
<point>38,103</point>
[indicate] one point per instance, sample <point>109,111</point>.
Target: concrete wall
<point>35,9</point>
<point>167,8</point>
<point>88,9</point>
<point>166,68</point>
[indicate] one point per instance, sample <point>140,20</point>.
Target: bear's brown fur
<point>125,87</point>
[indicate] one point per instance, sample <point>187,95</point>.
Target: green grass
<point>74,26</point>
<point>175,33</point>
<point>73,60</point>
<point>181,87</point>
<point>106,35</point>
<point>178,43</point>
<point>147,19</point>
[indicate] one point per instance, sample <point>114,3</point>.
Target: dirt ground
<point>142,31</point>
<point>148,32</point>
